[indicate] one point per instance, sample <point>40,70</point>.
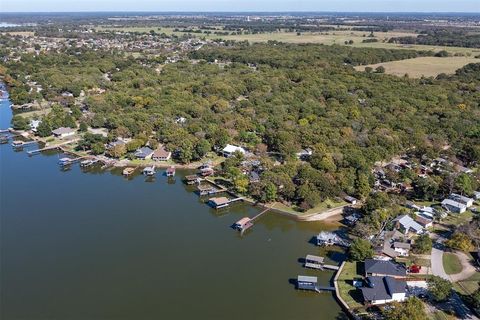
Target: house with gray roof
<point>63,132</point>
<point>384,268</point>
<point>453,206</point>
<point>407,224</point>
<point>144,153</point>
<point>382,290</point>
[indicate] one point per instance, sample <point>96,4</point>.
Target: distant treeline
<point>442,38</point>
<point>290,55</point>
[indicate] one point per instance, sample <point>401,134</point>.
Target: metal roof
<point>311,257</point>
<point>307,279</point>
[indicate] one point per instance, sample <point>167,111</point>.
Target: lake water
<point>78,245</point>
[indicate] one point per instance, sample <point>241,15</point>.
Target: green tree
<point>69,122</point>
<point>44,129</point>
<point>423,244</point>
<point>465,184</point>
<point>270,192</point>
<point>19,123</point>
<point>460,241</point>
<point>380,69</point>
<point>439,288</point>
<point>83,127</point>
<point>411,309</point>
<point>98,148</point>
<point>360,250</point>
<point>425,188</point>
<point>117,151</point>
<point>241,184</point>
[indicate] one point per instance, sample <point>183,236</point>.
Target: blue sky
<point>241,5</point>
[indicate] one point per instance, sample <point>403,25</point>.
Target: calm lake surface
<point>95,245</point>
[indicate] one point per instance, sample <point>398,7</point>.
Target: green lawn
<point>456,219</point>
<point>348,292</point>
<point>323,206</point>
<point>451,264</point>
<point>469,285</point>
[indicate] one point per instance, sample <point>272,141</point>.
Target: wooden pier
<point>37,151</point>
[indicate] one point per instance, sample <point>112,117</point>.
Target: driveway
<point>437,261</point>
<point>455,302</point>
<point>468,269</point>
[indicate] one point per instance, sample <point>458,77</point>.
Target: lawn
<point>323,206</point>
<point>456,219</point>
<point>469,285</point>
<point>348,292</point>
<point>451,264</point>
<point>423,66</point>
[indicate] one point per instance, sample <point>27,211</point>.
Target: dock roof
<point>311,257</point>
<point>219,201</point>
<point>243,221</point>
<point>307,279</point>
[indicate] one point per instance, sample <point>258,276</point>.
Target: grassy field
<point>455,219</point>
<point>423,66</point>
<point>328,38</point>
<point>339,37</point>
<point>469,285</point>
<point>348,292</point>
<point>451,264</point>
<point>323,206</point>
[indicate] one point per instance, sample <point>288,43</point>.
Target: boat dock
<point>246,223</point>
<point>222,202</point>
<point>318,263</point>
<point>128,171</point>
<point>89,162</point>
<point>21,144</point>
<point>149,171</point>
<point>170,172</point>
<point>311,284</point>
<point>193,179</point>
<point>209,189</point>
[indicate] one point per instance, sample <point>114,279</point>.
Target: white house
<point>462,199</point>
<point>229,150</point>
<point>382,290</point>
<point>454,206</point>
<point>476,195</point>
<point>63,132</point>
<point>34,125</point>
<point>407,224</point>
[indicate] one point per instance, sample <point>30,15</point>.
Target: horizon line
<point>239,11</point>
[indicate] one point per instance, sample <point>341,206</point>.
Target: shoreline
<point>329,215</point>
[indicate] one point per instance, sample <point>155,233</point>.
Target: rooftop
<point>385,267</point>
<point>382,288</point>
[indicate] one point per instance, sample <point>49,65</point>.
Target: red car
<point>414,269</point>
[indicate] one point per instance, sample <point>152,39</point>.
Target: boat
<point>3,139</point>
<point>170,172</point>
<point>128,171</point>
<point>65,161</point>
<point>149,171</point>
